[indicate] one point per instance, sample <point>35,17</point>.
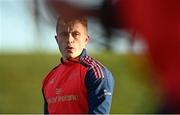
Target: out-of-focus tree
<point>41,15</point>
<point>101,13</point>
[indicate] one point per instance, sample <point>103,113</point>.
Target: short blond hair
<point>69,21</point>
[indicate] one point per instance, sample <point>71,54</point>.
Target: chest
<point>66,81</point>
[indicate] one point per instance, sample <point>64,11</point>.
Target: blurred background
<point>28,51</point>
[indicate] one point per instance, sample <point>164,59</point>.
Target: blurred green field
<point>21,77</point>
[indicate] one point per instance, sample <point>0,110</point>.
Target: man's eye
<point>75,34</point>
<point>64,34</point>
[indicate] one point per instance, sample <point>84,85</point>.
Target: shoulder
<point>93,65</point>
<point>96,69</point>
<point>98,78</point>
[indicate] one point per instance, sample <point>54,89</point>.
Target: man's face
<point>71,39</point>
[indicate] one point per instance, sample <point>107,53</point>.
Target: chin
<point>73,56</point>
<point>70,55</point>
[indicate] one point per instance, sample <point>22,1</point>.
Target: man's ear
<point>87,38</point>
<point>56,38</point>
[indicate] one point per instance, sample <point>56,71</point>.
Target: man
<point>79,84</point>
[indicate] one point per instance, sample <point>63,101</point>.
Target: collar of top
<point>77,59</point>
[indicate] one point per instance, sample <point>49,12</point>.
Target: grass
<point>21,77</point>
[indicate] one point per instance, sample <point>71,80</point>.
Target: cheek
<point>82,44</point>
<point>60,41</point>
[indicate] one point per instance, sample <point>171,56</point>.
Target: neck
<point>75,58</point>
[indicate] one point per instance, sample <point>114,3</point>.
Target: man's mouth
<point>69,48</point>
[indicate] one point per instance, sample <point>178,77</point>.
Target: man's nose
<point>70,38</point>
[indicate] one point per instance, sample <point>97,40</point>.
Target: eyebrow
<point>69,32</point>
<point>76,31</point>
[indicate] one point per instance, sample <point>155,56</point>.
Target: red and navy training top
<point>78,86</point>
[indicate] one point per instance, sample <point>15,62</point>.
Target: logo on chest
<point>58,90</point>
<point>64,98</point>
<point>51,81</point>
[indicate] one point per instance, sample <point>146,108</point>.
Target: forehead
<point>70,25</point>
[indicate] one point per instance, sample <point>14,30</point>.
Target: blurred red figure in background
<point>158,21</point>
